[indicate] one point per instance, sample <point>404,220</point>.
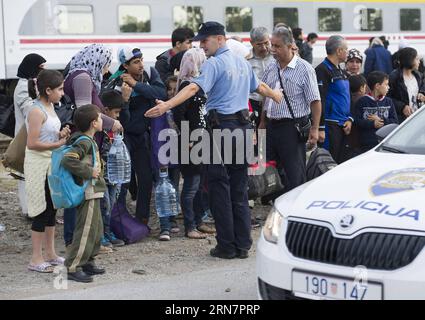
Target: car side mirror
<point>383,132</point>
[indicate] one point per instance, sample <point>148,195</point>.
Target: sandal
<point>42,268</point>
<point>195,234</point>
<point>59,261</point>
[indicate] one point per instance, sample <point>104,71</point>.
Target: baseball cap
<point>354,54</point>
<point>125,54</point>
<point>210,28</point>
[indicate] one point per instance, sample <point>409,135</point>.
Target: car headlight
<point>271,229</point>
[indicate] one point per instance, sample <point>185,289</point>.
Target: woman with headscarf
<point>84,79</point>
<point>353,64</point>
<point>29,69</point>
<point>191,113</point>
<point>82,84</point>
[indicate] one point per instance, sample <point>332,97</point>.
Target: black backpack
<point>320,162</point>
<point>65,110</point>
<point>7,116</point>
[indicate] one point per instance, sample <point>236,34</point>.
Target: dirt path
<point>152,259</point>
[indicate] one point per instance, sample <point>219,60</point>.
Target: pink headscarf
<point>190,66</point>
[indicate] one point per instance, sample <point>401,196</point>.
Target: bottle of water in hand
<point>165,196</point>
<point>119,163</point>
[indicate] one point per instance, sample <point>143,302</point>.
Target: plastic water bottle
<point>165,196</point>
<point>2,227</point>
<point>119,163</point>
<point>171,122</point>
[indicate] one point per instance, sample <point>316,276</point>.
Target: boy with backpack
<point>80,163</point>
<point>116,105</point>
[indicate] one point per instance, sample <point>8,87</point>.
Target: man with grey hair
<point>259,59</point>
<point>335,95</point>
<point>297,80</point>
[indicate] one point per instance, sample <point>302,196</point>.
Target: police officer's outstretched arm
<point>163,106</point>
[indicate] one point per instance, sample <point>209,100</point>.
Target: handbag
<point>302,125</point>
<point>7,116</point>
<point>125,226</point>
<point>13,158</point>
<point>267,183</point>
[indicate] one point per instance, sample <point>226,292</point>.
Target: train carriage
<point>57,29</point>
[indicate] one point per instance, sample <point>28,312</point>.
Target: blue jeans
<point>106,205</point>
<point>191,200</point>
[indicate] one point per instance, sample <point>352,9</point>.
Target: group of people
<point>220,85</point>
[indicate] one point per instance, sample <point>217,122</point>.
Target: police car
<point>357,232</point>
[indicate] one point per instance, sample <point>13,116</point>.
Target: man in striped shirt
<point>298,80</point>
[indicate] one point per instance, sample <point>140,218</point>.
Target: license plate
<point>315,286</point>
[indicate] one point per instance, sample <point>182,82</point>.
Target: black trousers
<point>228,192</point>
<point>141,165</point>
<point>284,147</point>
<point>338,143</point>
<point>48,217</point>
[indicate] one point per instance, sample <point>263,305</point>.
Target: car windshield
<point>409,139</point>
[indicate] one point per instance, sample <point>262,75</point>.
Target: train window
<point>134,18</point>
<point>330,19</point>
<point>188,16</point>
<point>238,19</point>
<point>371,19</point>
<point>288,16</point>
<point>74,19</point>
<point>410,19</point>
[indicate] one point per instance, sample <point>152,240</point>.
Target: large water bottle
<point>165,196</point>
<point>119,164</point>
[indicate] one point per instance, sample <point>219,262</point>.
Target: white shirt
<point>412,90</point>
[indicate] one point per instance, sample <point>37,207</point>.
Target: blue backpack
<point>64,191</point>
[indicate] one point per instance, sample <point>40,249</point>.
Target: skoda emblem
<point>347,222</point>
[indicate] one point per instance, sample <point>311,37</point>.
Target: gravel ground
<point>150,258</point>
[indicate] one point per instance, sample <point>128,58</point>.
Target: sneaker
<point>105,250</point>
<point>93,270</point>
<point>105,242</point>
<point>80,276</point>
<point>164,236</point>
<point>207,218</point>
<point>174,227</point>
<point>114,240</point>
<point>255,223</point>
<point>206,229</point>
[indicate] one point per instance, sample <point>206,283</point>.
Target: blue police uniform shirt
<point>227,79</point>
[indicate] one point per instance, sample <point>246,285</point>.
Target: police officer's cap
<point>210,28</point>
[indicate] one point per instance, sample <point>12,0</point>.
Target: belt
<point>286,120</point>
<point>231,116</point>
<point>278,121</point>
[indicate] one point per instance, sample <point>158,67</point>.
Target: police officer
<point>227,80</point>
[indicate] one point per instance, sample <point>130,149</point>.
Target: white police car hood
<point>375,190</point>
